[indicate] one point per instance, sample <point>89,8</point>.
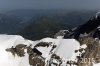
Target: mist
<point>49,4</point>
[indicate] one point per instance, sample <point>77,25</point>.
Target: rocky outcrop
<point>88,27</point>
<point>35,59</point>
<point>19,50</point>
<point>92,52</point>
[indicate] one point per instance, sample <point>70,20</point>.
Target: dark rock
<point>36,51</point>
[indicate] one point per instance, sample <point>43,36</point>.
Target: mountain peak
<point>90,26</point>
<point>97,14</point>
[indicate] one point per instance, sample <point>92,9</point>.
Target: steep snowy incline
<point>62,48</point>
<point>67,48</point>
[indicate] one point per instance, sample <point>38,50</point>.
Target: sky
<point>49,4</point>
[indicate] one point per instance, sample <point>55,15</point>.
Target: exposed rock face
<point>61,33</point>
<point>88,27</point>
<point>34,58</point>
<point>54,58</point>
<point>43,44</point>
<point>92,52</point>
<point>19,50</point>
<point>36,61</point>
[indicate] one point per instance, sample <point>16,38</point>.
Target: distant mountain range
<point>78,46</point>
<point>75,18</point>
<point>9,24</point>
<point>41,23</point>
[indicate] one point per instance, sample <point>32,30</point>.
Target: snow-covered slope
<point>64,48</point>
<point>17,51</point>
<point>6,58</point>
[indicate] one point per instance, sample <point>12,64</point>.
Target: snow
<point>6,58</point>
<point>97,14</point>
<point>98,64</point>
<point>65,50</point>
<point>47,40</point>
<point>45,51</point>
<point>78,53</point>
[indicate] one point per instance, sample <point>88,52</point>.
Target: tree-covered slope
<point>43,27</point>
